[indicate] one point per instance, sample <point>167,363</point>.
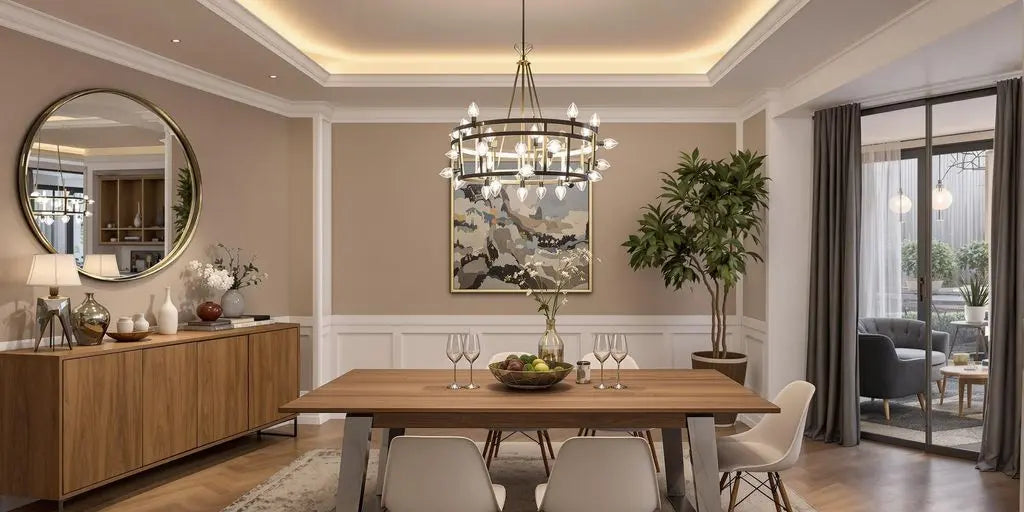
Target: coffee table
<point>965,380</point>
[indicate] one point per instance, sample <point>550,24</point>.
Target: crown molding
<point>449,115</point>
<point>43,26</point>
<point>772,21</point>
<point>252,26</point>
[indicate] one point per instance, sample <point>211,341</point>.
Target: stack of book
<point>228,323</point>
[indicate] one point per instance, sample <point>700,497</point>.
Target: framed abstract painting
<point>493,239</point>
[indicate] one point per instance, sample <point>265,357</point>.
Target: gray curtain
<point>832,331</point>
<point>1000,442</point>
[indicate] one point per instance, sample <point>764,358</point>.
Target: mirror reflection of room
<point>106,176</point>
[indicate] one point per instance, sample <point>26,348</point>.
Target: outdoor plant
<point>182,207</point>
<point>710,211</point>
<point>943,260</point>
<point>973,257</point>
<point>974,289</point>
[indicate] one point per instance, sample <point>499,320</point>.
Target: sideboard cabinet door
<point>102,418</point>
<point>223,388</point>
<point>169,406</point>
<point>274,362</point>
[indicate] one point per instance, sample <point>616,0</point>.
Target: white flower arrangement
<point>568,269</point>
<point>219,279</point>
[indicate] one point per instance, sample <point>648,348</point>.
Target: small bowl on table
<point>130,336</point>
<point>531,380</point>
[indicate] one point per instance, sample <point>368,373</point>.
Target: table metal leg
<point>386,436</point>
<point>672,445</point>
<point>355,453</point>
<point>704,458</point>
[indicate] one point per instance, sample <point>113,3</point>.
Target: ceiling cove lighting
<point>529,149</point>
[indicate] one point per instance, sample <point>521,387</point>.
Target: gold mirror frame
<point>197,182</point>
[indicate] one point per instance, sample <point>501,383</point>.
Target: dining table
<point>677,401</point>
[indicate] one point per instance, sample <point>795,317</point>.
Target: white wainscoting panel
<point>418,341</point>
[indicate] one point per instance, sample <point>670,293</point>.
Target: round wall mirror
<point>108,177</point>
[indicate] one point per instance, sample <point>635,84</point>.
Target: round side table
<point>966,379</point>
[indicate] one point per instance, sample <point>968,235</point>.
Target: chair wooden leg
<point>735,492</point>
<point>942,390</point>
<point>495,442</point>
<point>654,452</point>
<point>487,443</point>
<point>920,400</point>
<point>775,492</point>
<point>551,449</point>
<point>782,491</point>
<point>543,453</point>
<point>581,433</point>
<point>721,483</point>
<point>885,407</point>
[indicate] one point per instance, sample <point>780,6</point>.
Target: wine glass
<point>455,348</point>
<point>620,349</point>
<point>471,351</point>
<point>602,348</point>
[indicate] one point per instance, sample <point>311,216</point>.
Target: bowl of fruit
<point>528,371</point>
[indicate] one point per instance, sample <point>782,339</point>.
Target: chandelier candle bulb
<point>522,192</point>
<point>560,192</point>
<point>603,165</point>
<point>473,110</point>
<point>541,191</point>
<point>572,111</point>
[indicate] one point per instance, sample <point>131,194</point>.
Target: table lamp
<point>53,271</point>
<point>101,265</point>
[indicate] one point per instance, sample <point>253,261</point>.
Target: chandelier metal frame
<point>530,149</point>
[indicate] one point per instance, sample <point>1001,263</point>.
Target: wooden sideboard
<point>74,420</point>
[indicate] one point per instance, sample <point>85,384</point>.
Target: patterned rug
<point>308,484</point>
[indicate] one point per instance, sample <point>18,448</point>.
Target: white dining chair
<point>644,433</point>
<point>601,474</point>
<point>771,446</point>
<point>438,474</point>
<point>496,436</point>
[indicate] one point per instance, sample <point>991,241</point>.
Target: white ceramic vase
<point>974,314</point>
<point>140,323</point>
<point>167,316</point>
<point>137,221</point>
<point>233,303</point>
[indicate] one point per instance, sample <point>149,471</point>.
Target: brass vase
<point>89,321</point>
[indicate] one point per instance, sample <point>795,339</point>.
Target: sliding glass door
<point>923,260</point>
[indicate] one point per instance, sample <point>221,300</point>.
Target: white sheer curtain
<point>881,232</point>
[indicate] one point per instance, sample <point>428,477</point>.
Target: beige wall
<point>247,162</point>
<point>391,214</point>
<point>300,219</point>
<point>755,282</point>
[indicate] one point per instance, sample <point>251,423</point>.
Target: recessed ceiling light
<point>175,41</point>
<point>273,76</point>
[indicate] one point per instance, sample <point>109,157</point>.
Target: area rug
<point>308,484</point>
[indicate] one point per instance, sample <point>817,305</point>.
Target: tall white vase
<point>167,316</point>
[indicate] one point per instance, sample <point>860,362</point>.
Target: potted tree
<point>698,233</point>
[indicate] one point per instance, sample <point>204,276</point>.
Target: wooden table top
<point>979,373</point>
<point>109,346</point>
<point>397,397</point>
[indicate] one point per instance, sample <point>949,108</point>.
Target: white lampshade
<point>53,270</point>
<point>897,204</point>
<point>942,198</point>
<point>101,265</point>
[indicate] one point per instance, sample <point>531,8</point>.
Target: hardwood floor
<point>870,477</point>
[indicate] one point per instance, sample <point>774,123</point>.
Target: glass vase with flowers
<point>548,283</point>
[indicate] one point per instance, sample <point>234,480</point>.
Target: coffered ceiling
<point>436,55</point>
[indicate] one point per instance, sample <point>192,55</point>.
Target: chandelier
<point>529,150</point>
<point>57,203</point>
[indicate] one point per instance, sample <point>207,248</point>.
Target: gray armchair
<point>893,358</point>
